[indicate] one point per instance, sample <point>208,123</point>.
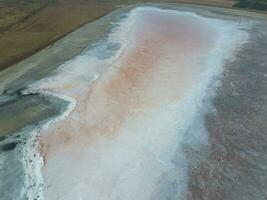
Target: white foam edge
<point>33,161</point>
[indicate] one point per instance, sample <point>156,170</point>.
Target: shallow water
<point>132,108</point>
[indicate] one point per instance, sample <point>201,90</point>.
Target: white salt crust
<point>130,164</point>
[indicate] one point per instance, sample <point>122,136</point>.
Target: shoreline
<point>22,162</point>
<point>52,94</point>
<point>34,159</point>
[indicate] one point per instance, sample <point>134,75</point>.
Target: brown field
<point>28,26</point>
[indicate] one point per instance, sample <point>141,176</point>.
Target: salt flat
<point>133,97</point>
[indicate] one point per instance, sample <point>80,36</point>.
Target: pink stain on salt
<point>121,136</point>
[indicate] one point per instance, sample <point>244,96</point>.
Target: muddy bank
<point>234,167</point>
<point>25,110</point>
<point>20,118</point>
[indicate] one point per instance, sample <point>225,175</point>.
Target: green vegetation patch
<point>243,4</point>
<point>260,5</point>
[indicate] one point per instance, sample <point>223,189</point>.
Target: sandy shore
<point>137,93</point>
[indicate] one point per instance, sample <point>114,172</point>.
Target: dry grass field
<point>27,26</point>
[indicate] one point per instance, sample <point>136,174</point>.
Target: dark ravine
<point>235,166</point>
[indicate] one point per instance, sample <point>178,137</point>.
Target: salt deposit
<point>133,106</point>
